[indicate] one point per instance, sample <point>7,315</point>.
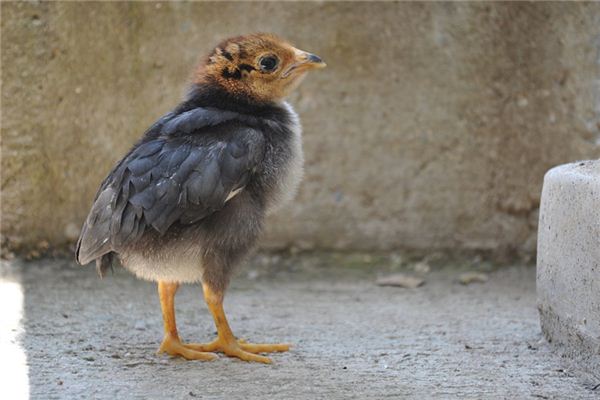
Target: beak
<point>312,60</point>
<point>304,61</point>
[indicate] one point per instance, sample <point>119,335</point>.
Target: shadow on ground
<point>91,338</point>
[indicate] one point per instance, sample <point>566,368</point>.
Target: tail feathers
<point>105,262</point>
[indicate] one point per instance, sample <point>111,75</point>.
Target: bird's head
<point>260,67</point>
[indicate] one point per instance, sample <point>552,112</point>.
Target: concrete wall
<point>431,128</point>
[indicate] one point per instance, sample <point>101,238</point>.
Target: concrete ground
<point>89,338</point>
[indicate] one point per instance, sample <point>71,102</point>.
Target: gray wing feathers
<point>167,180</point>
<point>189,121</point>
<point>91,245</point>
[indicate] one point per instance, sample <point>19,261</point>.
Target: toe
<point>212,346</point>
<point>246,356</point>
<point>189,354</point>
<point>264,348</point>
<point>173,347</point>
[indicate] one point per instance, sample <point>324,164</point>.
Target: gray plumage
<point>188,201</point>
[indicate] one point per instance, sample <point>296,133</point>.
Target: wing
<point>166,180</point>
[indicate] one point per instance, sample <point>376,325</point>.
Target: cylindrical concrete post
<point>568,261</point>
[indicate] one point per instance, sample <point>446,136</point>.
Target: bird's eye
<point>268,63</point>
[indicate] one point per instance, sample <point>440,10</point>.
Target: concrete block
<point>568,263</point>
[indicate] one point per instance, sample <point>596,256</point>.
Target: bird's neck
<point>211,94</point>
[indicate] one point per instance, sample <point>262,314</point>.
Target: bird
<point>187,203</point>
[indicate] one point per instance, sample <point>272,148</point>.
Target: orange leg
<point>171,343</point>
<point>226,341</point>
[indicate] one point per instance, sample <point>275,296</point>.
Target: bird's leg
<point>226,341</point>
<point>171,343</point>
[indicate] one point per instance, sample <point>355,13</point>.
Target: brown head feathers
<point>261,67</point>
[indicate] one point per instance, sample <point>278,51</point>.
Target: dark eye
<point>268,63</point>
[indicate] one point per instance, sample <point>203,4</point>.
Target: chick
<point>188,201</point>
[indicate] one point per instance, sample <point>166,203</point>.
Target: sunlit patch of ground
<point>13,361</point>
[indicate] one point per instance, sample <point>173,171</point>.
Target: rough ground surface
<point>87,338</point>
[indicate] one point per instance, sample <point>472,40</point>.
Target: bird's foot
<point>240,349</point>
<point>173,347</point>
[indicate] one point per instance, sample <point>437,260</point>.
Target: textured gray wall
<point>431,129</point>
